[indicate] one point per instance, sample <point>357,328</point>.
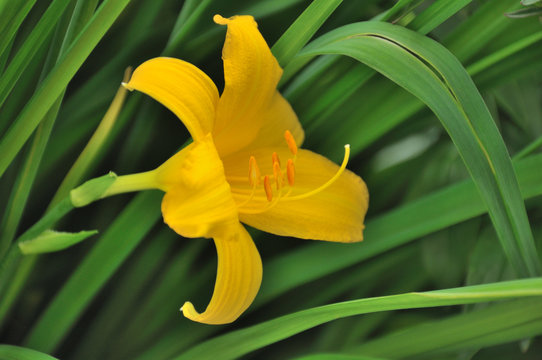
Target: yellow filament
<point>275,158</point>
<point>254,174</point>
<point>328,183</point>
<point>250,197</point>
<point>270,205</point>
<point>277,173</point>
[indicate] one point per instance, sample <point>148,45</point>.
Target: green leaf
<point>10,22</point>
<point>136,282</point>
<point>113,247</point>
<point>50,241</point>
<point>505,322</point>
<point>69,26</point>
<point>27,51</point>
<point>529,2</point>
<point>503,53</point>
<point>19,132</point>
<point>485,24</point>
<point>302,29</point>
<point>237,343</point>
<point>393,11</point>
<point>10,352</point>
<point>72,24</point>
<point>430,72</point>
<point>436,14</point>
<point>337,357</point>
<point>523,13</point>
<point>9,261</point>
<point>184,28</point>
<point>23,184</point>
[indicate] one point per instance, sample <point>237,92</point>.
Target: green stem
<point>83,195</point>
<point>94,145</point>
<point>133,182</point>
<point>92,190</point>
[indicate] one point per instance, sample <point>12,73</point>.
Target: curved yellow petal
<point>182,88</point>
<point>251,75</point>
<point>333,214</point>
<point>238,278</point>
<point>198,200</point>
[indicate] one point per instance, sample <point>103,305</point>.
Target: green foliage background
<point>455,209</point>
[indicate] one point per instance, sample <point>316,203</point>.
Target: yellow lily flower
<point>244,165</point>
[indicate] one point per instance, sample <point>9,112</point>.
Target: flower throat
<point>277,187</point>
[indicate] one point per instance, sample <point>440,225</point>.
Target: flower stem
<point>133,182</point>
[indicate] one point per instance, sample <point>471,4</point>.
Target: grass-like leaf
<point>512,321</point>
<point>19,353</point>
<point>303,28</point>
<point>112,249</point>
<point>58,79</point>
<point>25,54</point>
<point>238,343</point>
<point>433,74</point>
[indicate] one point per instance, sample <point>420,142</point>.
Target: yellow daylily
<point>244,165</point>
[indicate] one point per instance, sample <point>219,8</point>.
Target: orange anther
<point>290,172</point>
<point>267,187</point>
<point>275,158</point>
<point>290,141</point>
<point>277,173</point>
<point>254,174</point>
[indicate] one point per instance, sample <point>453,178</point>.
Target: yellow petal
<point>251,75</point>
<point>238,278</point>
<point>334,214</point>
<point>277,118</point>
<point>182,88</point>
<point>198,200</point>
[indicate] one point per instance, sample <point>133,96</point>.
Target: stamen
<point>277,173</point>
<point>290,172</point>
<point>254,174</point>
<point>280,178</point>
<point>267,187</point>
<point>290,141</point>
<point>275,158</point>
<point>269,206</point>
<point>328,183</point>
